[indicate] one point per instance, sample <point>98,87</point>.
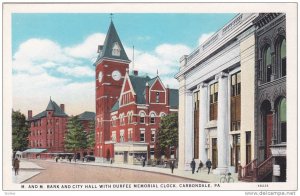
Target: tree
<point>76,137</point>
<point>91,135</point>
<point>167,135</point>
<point>20,131</point>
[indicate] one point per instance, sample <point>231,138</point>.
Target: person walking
<point>144,162</point>
<point>200,166</point>
<point>16,166</point>
<point>172,165</point>
<point>208,165</point>
<point>193,166</point>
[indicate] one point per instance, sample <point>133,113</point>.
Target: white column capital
<point>202,85</point>
<point>221,75</point>
<point>188,92</point>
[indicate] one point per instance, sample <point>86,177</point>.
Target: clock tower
<point>111,66</point>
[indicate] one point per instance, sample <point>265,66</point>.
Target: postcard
<point>150,96</point>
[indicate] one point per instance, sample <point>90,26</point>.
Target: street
<point>76,173</point>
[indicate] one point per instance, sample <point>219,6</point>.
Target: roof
<point>115,107</point>
<point>150,82</point>
<point>35,150</point>
<point>87,116</point>
<point>111,38</point>
<point>52,106</point>
<point>174,98</point>
<point>139,86</point>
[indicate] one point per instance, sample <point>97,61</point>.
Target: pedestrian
<point>208,165</point>
<point>172,165</point>
<point>16,166</point>
<point>193,165</point>
<point>144,162</point>
<point>200,166</point>
<point>56,159</point>
<point>70,158</point>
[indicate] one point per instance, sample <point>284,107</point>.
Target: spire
<point>50,106</point>
<point>112,47</point>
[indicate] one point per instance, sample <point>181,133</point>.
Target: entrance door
<point>214,153</point>
<point>269,134</point>
<point>125,157</point>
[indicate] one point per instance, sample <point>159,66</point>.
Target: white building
<point>216,98</point>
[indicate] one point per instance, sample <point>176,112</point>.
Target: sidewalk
<point>202,176</point>
<point>27,170</point>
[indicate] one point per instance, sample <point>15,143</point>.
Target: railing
<point>264,169</point>
<point>247,171</point>
<point>254,173</point>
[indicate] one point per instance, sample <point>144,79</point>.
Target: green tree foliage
<point>76,137</point>
<point>20,131</point>
<point>167,135</point>
<point>91,135</point>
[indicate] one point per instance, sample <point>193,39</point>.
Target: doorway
<point>214,153</point>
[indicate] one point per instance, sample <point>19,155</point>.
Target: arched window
<point>162,114</point>
<point>268,64</point>
<point>282,120</point>
<point>283,58</point>
<point>129,115</point>
<point>142,117</point>
<point>152,118</point>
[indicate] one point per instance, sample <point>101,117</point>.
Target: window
<point>122,120</point>
<point>248,147</point>
<point>152,136</point>
<point>129,134</point>
<point>122,136</point>
<point>152,118</point>
<point>157,97</point>
<point>142,136</point>
<point>113,136</point>
<point>282,120</point>
<point>116,49</point>
<point>129,115</point>
<point>268,64</point>
<point>196,124</point>
<point>283,58</point>
<point>235,110</point>
<point>213,101</point>
<point>142,118</point>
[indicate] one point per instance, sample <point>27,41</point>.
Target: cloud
<point>87,49</point>
<point>76,71</point>
<point>164,59</point>
<point>40,50</point>
<point>204,37</point>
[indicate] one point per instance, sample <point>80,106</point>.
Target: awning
<point>35,150</point>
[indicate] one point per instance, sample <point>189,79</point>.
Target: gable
<point>157,85</point>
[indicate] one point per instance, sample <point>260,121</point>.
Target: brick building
<point>47,129</point>
<point>136,116</point>
<point>118,93</point>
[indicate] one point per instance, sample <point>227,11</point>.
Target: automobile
<point>89,158</point>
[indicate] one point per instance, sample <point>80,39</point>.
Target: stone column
<point>188,118</point>
<point>203,120</point>
<point>222,129</point>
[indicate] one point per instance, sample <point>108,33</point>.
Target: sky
<point>53,54</point>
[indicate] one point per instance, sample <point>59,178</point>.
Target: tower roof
<point>112,40</point>
<point>52,106</point>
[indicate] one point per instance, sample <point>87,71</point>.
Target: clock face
<point>100,76</point>
<point>116,75</point>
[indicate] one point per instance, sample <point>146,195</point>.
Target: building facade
<point>136,116</point>
<point>216,98</point>
<point>270,97</point>
<point>110,70</point>
<point>47,129</point>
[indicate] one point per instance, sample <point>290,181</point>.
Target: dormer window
<point>116,49</point>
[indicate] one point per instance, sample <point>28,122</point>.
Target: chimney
<point>135,72</point>
<point>147,93</point>
<point>62,107</point>
<point>29,114</point>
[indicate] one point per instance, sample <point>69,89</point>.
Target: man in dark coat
<point>16,165</point>
<point>200,166</point>
<point>208,165</point>
<point>172,165</point>
<point>193,166</point>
